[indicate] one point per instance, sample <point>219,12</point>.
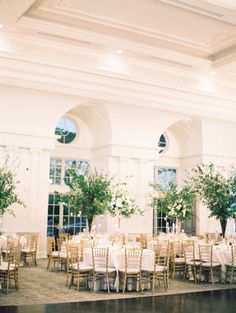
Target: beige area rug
<point>39,286</point>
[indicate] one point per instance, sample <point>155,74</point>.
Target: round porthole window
<point>65,130</point>
<point>162,143</point>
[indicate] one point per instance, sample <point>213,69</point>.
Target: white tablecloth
<point>15,238</point>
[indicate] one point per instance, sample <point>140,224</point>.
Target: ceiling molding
<point>186,4</point>
<point>48,30</point>
<point>112,23</point>
<point>215,9</point>
<point>105,88</point>
<point>228,4</point>
<point>10,12</point>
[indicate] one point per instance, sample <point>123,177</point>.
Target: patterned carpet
<point>39,286</point>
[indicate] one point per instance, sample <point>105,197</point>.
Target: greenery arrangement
<point>217,192</point>
<point>121,204</point>
<point>177,205</point>
<point>89,194</point>
<point>8,195</point>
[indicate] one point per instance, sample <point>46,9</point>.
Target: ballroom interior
<point>148,86</point>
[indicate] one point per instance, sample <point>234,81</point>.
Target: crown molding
<point>67,9</point>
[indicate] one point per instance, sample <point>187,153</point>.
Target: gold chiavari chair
<point>77,270</point>
<point>160,270</point>
<point>231,267</point>
<point>53,253</point>
<point>85,244</point>
<point>101,268</point>
<point>29,251</point>
<point>162,258</point>
<point>192,265</point>
<point>143,240</point>
<point>133,266</point>
<point>64,237</point>
<point>207,265</point>
<point>10,267</point>
<point>9,243</point>
<point>177,260</point>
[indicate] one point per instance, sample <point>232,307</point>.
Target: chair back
<point>205,253</point>
<point>33,242</point>
<point>143,240</point>
<point>189,251</point>
<point>133,258</point>
<point>51,244</point>
<point>176,248</point>
<point>13,256</point>
<point>233,254</point>
<point>73,254</point>
<point>162,255</point>
<point>100,257</point>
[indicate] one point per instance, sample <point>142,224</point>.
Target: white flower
<point>122,205</point>
<point>118,203</point>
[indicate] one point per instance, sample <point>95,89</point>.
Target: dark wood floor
<point>219,301</point>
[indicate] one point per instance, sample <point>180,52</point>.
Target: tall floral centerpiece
<point>8,195</point>
<point>89,194</point>
<point>176,205</point>
<point>122,205</point>
<point>216,191</point>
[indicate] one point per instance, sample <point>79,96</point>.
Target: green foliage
<point>89,194</point>
<point>8,195</point>
<point>175,204</point>
<point>217,192</point>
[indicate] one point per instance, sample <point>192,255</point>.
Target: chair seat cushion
<point>160,268</point>
<point>4,266</point>
<point>84,266</point>
<point>179,260</point>
<point>213,264</point>
<point>55,254</point>
<point>63,254</point>
<point>230,265</point>
<point>104,269</point>
<point>27,250</point>
<point>192,262</point>
<point>130,270</point>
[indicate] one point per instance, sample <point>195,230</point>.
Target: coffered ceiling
<point>134,38</point>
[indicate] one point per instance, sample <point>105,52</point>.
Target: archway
<point>182,152</point>
<point>89,128</point>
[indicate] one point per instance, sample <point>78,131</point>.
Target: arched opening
<point>78,133</point>
<point>181,154</point>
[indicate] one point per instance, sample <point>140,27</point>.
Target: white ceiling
<point>184,35</point>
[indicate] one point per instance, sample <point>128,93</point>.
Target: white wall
<point>27,122</point>
<point>120,139</point>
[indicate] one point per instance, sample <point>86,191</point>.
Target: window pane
<point>50,209</point>
<point>65,210</point>
<point>72,220</point>
<point>56,220</point>
<point>56,209</point>
<point>163,176</point>
<point>65,130</point>
<point>65,220</point>
<point>50,198</point>
<point>50,231</point>
<point>79,165</point>
<point>162,143</point>
<point>50,220</point>
<point>57,180</point>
